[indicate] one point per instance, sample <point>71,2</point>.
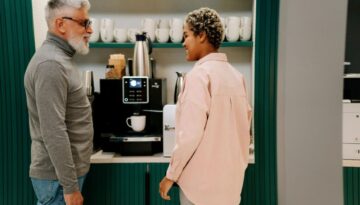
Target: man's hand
<point>74,198</point>
<point>164,187</point>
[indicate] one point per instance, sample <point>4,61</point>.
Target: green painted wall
<point>16,48</point>
<point>351,186</point>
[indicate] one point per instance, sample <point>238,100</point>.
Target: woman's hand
<point>164,187</point>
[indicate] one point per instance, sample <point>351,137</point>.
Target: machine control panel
<point>135,89</point>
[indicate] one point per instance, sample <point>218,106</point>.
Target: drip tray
<point>132,145</point>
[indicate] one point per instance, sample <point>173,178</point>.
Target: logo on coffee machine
<point>155,85</point>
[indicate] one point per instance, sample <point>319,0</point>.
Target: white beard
<point>78,44</point>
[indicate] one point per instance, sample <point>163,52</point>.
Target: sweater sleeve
<point>51,86</point>
<point>193,109</point>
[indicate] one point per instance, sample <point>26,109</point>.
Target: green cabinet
<point>126,184</point>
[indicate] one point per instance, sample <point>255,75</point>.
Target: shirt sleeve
<point>191,118</point>
<point>51,87</point>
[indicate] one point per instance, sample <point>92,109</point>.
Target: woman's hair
<point>206,20</point>
<point>56,7</point>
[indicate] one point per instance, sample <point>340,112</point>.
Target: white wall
<point>40,28</point>
<point>310,68</point>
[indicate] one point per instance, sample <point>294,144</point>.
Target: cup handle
<point>127,122</point>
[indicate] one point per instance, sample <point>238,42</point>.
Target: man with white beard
<point>60,119</point>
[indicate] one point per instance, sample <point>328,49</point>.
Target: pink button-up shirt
<point>212,133</point>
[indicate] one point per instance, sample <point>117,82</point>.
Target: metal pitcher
<point>141,60</point>
<point>179,85</point>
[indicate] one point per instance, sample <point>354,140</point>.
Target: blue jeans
<point>50,192</point>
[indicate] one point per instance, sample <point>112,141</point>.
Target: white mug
<point>232,33</point>
<point>131,34</point>
<point>232,22</point>
<point>148,23</point>
<point>150,33</point>
<point>163,23</point>
<point>245,33</point>
<point>120,35</point>
<point>106,30</point>
<point>95,25</point>
<point>176,23</point>
<point>162,35</point>
<point>245,21</point>
<point>176,35</point>
<point>245,28</point>
<point>137,123</point>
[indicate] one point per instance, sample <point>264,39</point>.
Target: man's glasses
<point>85,23</point>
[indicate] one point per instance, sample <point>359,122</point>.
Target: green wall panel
<point>261,178</point>
<point>115,184</point>
<point>16,49</point>
<point>157,172</point>
<point>351,186</point>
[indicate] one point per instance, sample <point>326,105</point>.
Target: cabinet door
<point>115,184</point>
<point>157,172</point>
<point>351,127</point>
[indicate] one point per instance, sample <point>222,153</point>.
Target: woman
<point>212,120</point>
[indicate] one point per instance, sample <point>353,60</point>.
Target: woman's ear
<point>203,37</point>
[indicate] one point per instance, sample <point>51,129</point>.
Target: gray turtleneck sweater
<point>60,118</point>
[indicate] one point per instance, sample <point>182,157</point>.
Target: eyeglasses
<point>85,23</point>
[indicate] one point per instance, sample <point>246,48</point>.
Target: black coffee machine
<point>122,98</point>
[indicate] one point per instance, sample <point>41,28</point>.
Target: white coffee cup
<point>232,33</point>
<point>245,33</point>
<point>176,23</point>
<point>176,35</point>
<point>120,35</point>
<point>245,21</point>
<point>95,25</point>
<point>131,34</point>
<point>136,122</point>
<point>148,25</point>
<point>150,33</point>
<point>106,30</point>
<point>232,22</point>
<point>162,35</point>
<point>163,23</point>
<point>245,28</point>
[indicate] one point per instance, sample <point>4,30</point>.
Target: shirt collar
<point>212,57</point>
<point>61,43</point>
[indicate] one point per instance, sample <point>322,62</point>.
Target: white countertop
<point>101,157</point>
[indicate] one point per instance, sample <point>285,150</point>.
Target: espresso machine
<point>139,95</point>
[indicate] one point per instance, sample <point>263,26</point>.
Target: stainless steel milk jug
<point>141,60</point>
<point>179,85</point>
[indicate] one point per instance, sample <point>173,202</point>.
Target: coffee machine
<point>120,99</point>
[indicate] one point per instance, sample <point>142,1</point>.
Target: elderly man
<point>60,118</point>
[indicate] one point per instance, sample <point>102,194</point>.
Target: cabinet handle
<point>347,63</point>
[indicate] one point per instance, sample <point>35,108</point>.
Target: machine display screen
<point>135,83</point>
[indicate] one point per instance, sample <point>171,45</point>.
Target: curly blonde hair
<point>206,20</point>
